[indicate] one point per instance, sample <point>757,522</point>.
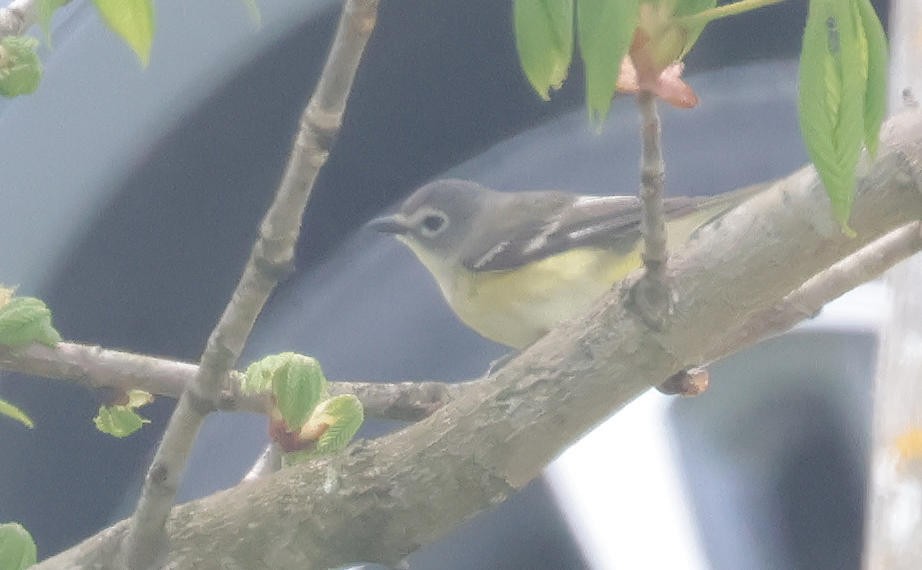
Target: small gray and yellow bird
<point>512,265</point>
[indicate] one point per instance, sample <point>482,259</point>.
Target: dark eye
<point>432,224</point>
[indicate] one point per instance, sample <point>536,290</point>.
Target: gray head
<point>436,218</point>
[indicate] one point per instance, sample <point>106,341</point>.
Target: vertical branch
<point>651,293</point>
<point>893,537</point>
<point>270,259</point>
<point>893,526</point>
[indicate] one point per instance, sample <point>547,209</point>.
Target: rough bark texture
<point>893,533</point>
<point>381,500</point>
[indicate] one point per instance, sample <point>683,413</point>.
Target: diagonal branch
<point>807,300</point>
<point>269,261</point>
<point>382,499</point>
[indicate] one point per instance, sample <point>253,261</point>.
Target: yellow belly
<point>515,308</point>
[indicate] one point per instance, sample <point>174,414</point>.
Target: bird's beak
<point>395,224</point>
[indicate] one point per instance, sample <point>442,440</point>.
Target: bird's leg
<point>651,297</point>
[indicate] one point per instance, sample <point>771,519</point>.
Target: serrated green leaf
<point>258,376</point>
<point>693,31</point>
<point>24,320</point>
<point>20,68</point>
<point>296,381</point>
<point>45,11</point>
<point>299,389</point>
<point>119,421</point>
<point>544,41</point>
<point>9,410</point>
<point>17,549</point>
<point>605,30</point>
<point>344,415</point>
<point>875,104</point>
<point>133,21</point>
<point>833,77</point>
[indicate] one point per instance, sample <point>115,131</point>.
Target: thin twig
<point>95,367</point>
<point>651,293</point>
<point>732,9</point>
<point>270,259</point>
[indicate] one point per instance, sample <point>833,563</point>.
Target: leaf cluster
<point>843,65</point>
<point>304,420</point>
<point>604,31</point>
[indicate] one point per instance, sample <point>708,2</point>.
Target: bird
<point>511,265</point>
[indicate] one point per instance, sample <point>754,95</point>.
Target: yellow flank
<point>516,307</point>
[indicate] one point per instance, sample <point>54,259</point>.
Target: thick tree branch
<point>98,368</point>
<point>807,300</point>
<point>381,500</point>
<point>270,259</point>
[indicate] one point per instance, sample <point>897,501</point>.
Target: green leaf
<point>684,8</point>
<point>605,29</point>
<point>17,549</point>
<point>24,320</point>
<point>9,410</point>
<point>258,376</point>
<point>138,398</point>
<point>296,381</point>
<point>20,68</point>
<point>133,21</point>
<point>692,32</point>
<point>299,389</point>
<point>344,415</point>
<point>119,421</point>
<point>45,10</point>
<point>122,420</point>
<point>544,40</point>
<point>875,104</point>
<point>833,77</point>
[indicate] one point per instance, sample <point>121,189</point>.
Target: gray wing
<point>561,222</point>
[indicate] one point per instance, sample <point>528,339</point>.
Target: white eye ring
<point>433,223</point>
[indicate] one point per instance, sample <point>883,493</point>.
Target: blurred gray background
<point>132,198</point>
